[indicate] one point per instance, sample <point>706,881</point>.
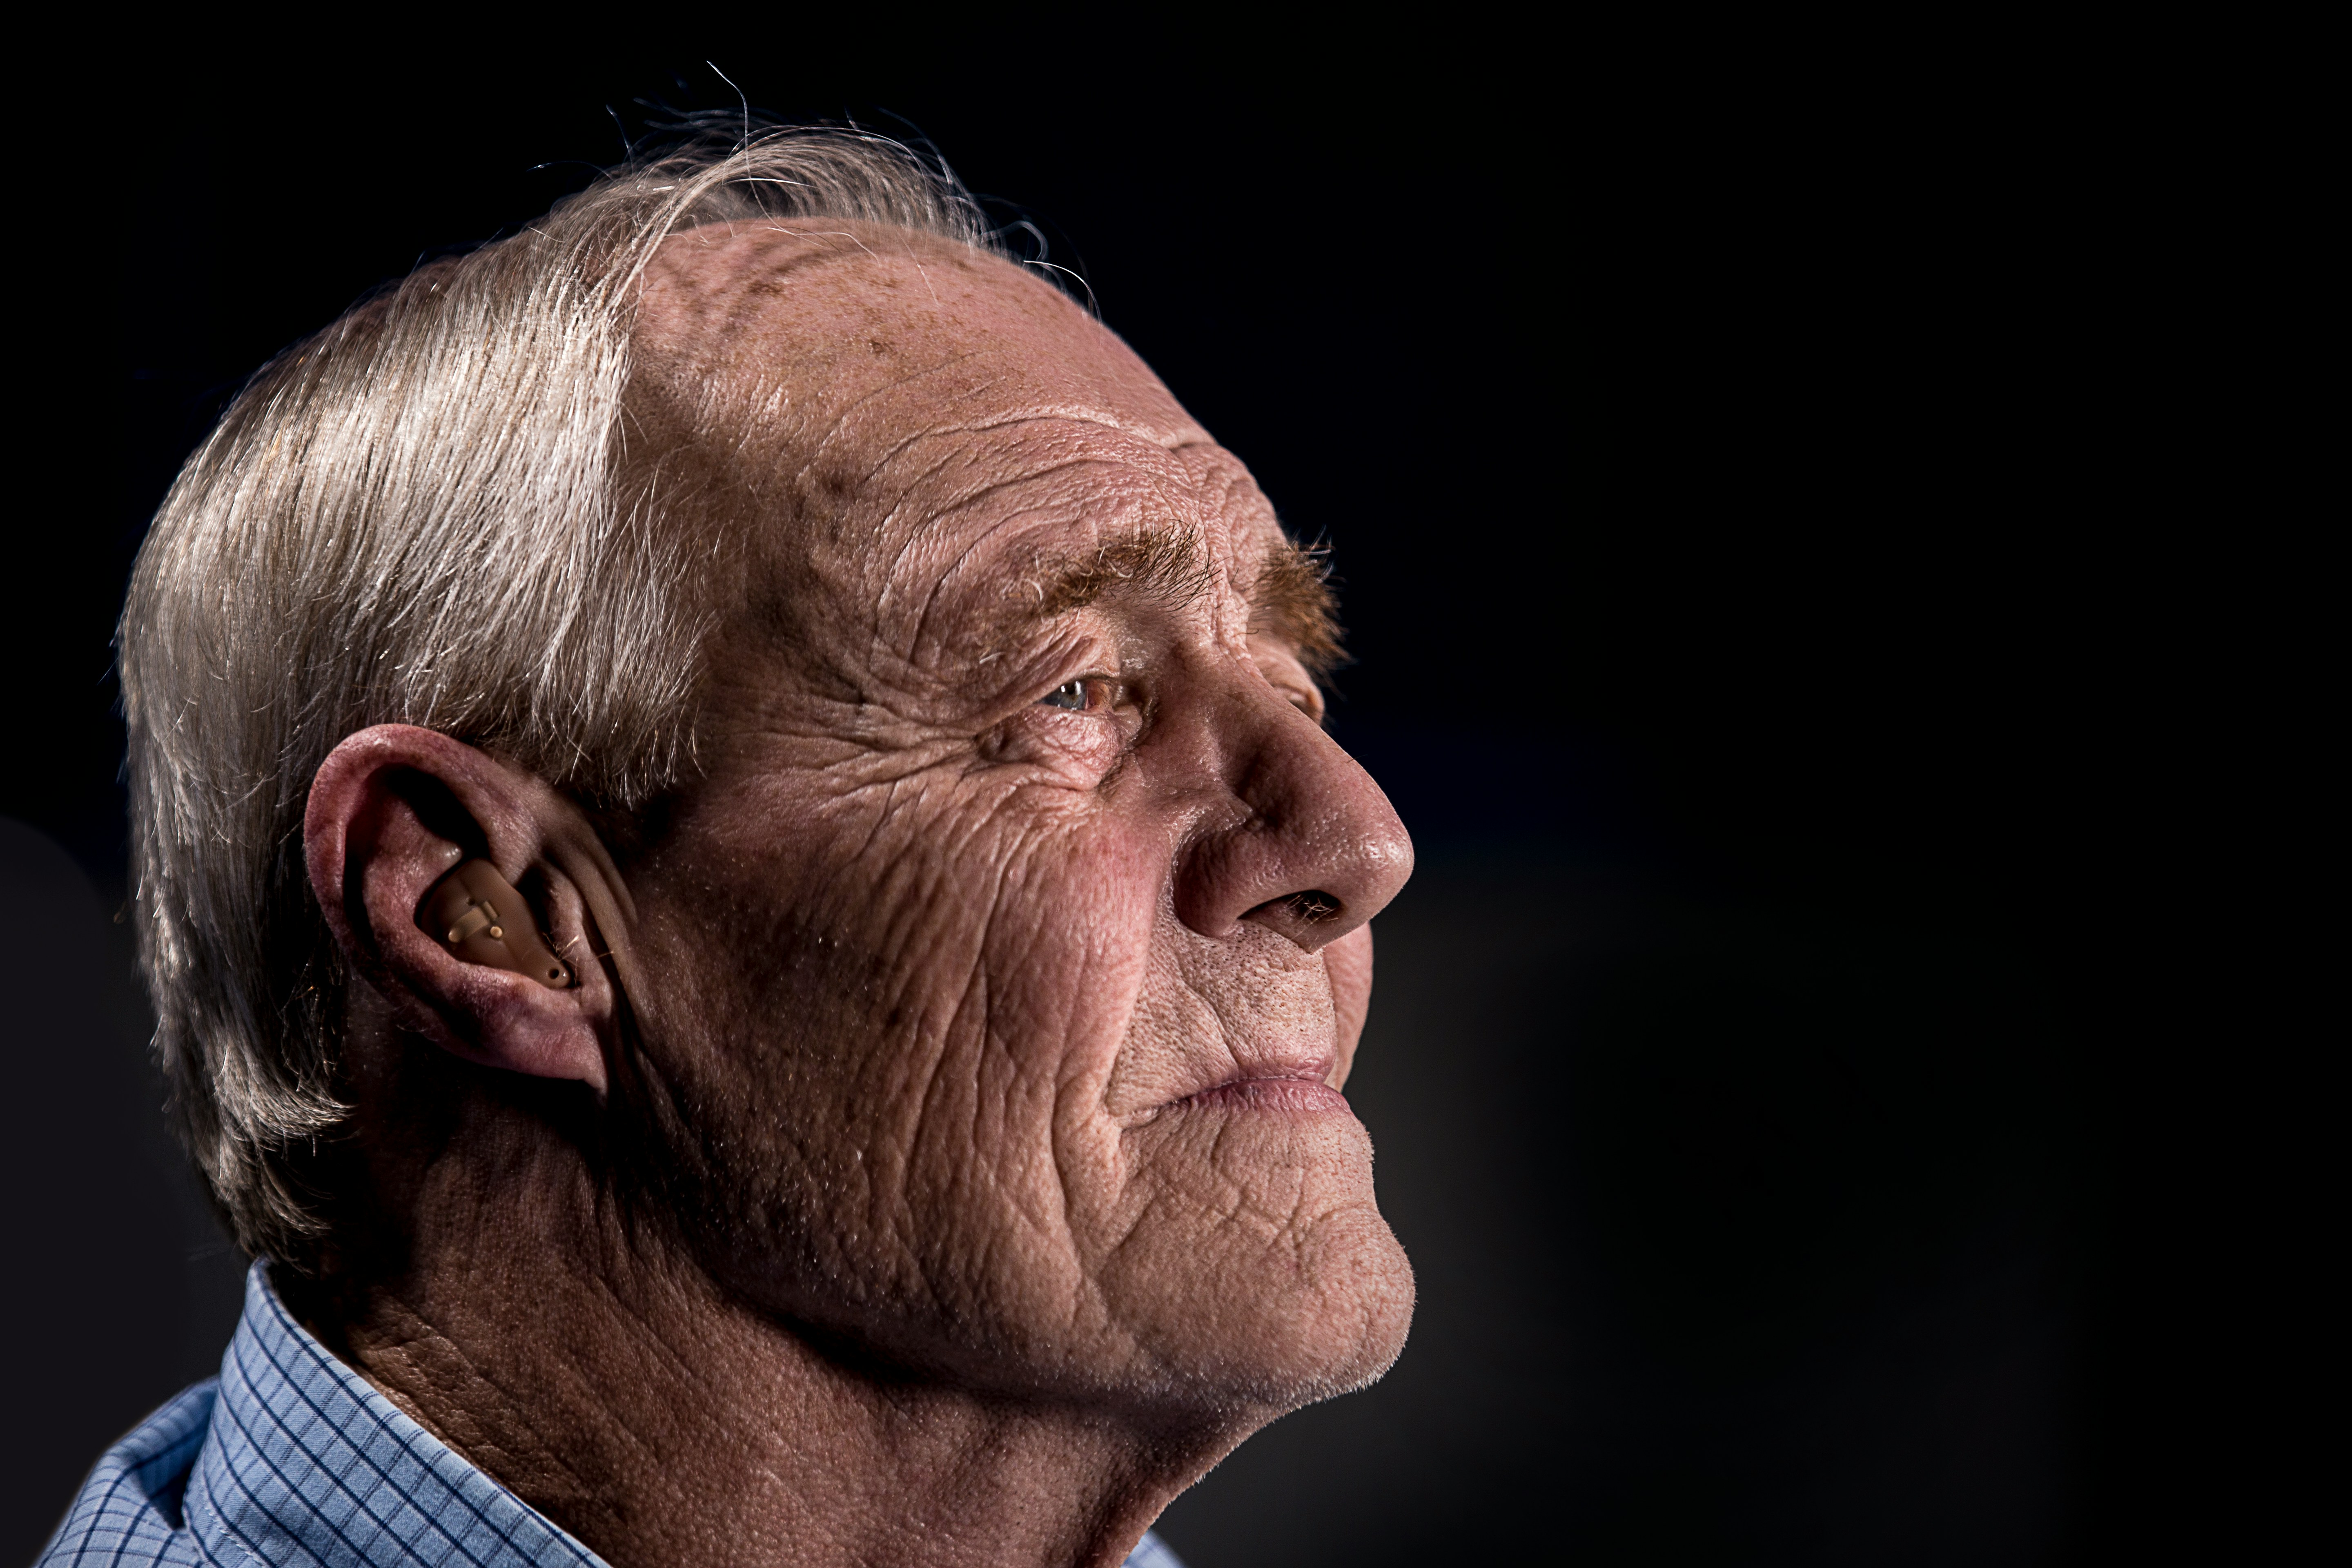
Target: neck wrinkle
<point>644,1408</point>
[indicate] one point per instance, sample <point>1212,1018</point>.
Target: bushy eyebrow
<point>1165,564</point>
<point>1291,597</point>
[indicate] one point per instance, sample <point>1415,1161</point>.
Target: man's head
<point>900,712</point>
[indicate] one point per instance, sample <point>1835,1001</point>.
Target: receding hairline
<point>744,261</point>
<point>873,238</point>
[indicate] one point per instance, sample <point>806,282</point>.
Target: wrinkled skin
<point>977,1013</point>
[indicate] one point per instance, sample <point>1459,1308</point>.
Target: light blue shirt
<point>290,1459</point>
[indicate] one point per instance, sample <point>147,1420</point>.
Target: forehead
<point>874,384</point>
<point>834,312</point>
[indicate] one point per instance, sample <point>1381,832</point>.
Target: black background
<point>1796,511</point>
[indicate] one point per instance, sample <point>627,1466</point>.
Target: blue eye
<point>1071,696</point>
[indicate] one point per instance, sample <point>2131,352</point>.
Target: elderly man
<point>751,912</point>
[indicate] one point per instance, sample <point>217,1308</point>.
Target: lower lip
<point>1290,1094</point>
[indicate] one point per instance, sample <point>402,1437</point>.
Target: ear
<point>394,811</point>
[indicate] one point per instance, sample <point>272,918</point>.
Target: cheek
<point>902,1052</point>
<point>997,944</point>
<point>1073,751</point>
<point>941,933</point>
<point>1006,1143</point>
<point>1065,946</point>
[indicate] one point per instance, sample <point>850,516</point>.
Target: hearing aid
<point>480,916</point>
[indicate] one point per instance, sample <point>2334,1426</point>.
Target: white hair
<point>417,516</point>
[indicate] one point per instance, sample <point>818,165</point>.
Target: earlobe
<point>481,918</point>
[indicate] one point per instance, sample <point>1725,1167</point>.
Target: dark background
<point>1823,584</point>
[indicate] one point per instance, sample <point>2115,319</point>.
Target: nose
<point>1306,845</point>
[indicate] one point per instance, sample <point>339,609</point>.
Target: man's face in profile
<point>1010,947</point>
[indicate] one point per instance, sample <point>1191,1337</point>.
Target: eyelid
<point>1110,687</point>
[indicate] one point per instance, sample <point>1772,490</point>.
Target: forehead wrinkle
<point>958,438</point>
<point>835,431</point>
<point>941,588</point>
<point>1128,484</point>
<point>1080,413</point>
<point>902,517</point>
<point>950,431</point>
<point>1094,418</point>
<point>915,537</point>
<point>817,444</point>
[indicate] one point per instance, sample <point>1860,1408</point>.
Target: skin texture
<point>941,1156</point>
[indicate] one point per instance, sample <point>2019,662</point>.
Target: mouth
<point>1296,1090</point>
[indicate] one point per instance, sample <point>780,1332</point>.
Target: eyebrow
<point>1165,564</point>
<point>1291,597</point>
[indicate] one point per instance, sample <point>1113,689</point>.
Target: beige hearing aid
<point>479,913</point>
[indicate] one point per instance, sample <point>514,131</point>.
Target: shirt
<point>290,1459</point>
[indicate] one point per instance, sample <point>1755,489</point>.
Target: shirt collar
<point>309,1464</point>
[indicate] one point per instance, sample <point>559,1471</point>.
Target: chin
<point>1348,1333</point>
<point>1256,1338</point>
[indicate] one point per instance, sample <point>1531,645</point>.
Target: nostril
<point>1312,906</point>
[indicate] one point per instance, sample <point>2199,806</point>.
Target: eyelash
<point>1093,693</point>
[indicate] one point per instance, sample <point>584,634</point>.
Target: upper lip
<point>1315,1069</point>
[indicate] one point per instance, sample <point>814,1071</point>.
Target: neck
<point>637,1403</point>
